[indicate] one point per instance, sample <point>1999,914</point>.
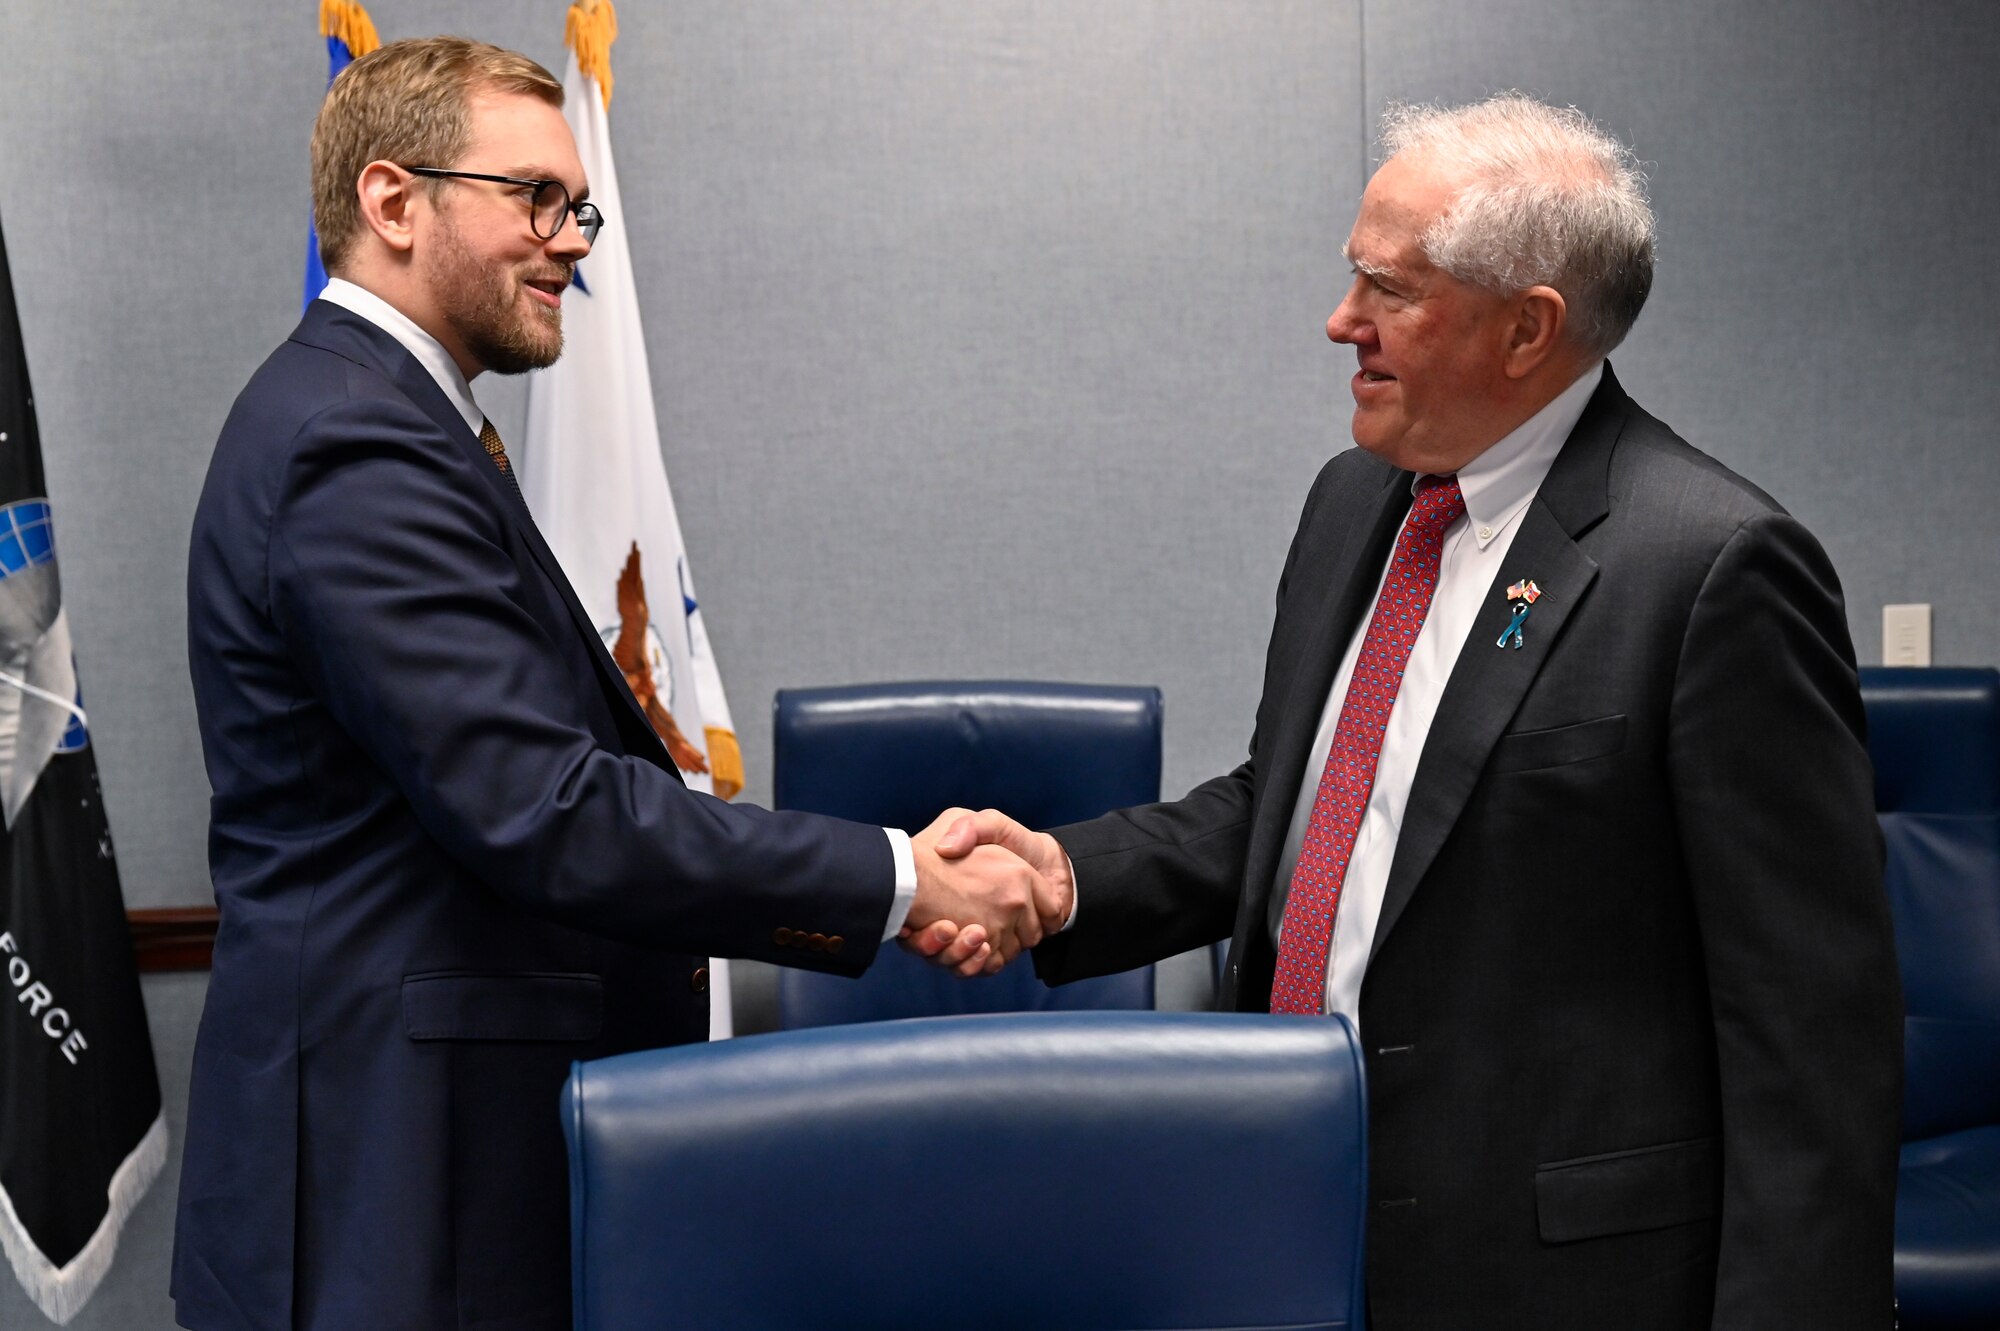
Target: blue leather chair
<point>1935,737</point>
<point>898,754</point>
<point>1061,1171</point>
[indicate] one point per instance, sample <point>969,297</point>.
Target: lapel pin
<point>1523,596</point>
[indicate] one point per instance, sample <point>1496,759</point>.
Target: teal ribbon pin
<point>1524,594</point>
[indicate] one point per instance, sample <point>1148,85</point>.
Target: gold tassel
<point>589,31</point>
<point>725,763</point>
<point>348,21</point>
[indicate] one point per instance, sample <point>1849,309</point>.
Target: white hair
<point>1548,199</point>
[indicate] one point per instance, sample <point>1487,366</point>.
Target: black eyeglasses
<point>547,206</point>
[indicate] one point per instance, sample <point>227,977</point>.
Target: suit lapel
<point>552,569</point>
<point>1340,590</point>
<point>334,328</point>
<point>1488,681</point>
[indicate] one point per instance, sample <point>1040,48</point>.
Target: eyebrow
<point>543,173</point>
<point>1363,266</point>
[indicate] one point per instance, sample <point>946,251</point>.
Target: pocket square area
<point>1557,746</point>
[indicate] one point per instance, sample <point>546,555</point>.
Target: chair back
<point>1067,1171</point>
<point>1934,736</point>
<point>898,754</point>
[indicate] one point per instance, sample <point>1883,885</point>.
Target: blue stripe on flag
<point>338,57</point>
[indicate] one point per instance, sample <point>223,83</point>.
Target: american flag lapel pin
<point>1522,596</point>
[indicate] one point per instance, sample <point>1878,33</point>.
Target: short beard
<point>480,303</point>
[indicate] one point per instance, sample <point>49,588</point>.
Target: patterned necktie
<point>1307,933</point>
<point>490,437</point>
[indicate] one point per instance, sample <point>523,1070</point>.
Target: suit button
<point>817,942</point>
<point>699,980</point>
<point>783,937</point>
<point>833,942</point>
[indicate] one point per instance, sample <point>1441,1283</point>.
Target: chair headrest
<point>896,754</point>
<point>1934,736</point>
<point>1173,1169</point>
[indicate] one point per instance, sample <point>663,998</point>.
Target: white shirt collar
<point>430,353</point>
<point>1501,481</point>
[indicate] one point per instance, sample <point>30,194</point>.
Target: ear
<point>1535,332</point>
<point>388,196</point>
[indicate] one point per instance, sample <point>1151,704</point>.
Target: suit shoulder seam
<point>291,460</point>
<point>1762,518</point>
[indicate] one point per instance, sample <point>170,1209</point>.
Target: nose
<point>1345,324</point>
<point>568,244</point>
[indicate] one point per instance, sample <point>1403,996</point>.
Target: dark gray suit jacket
<point>1633,1023</point>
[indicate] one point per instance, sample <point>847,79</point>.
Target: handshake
<point>987,887</point>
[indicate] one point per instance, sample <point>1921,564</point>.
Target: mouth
<point>1370,383</point>
<point>548,290</point>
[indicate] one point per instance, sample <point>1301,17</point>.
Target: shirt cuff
<point>906,881</point>
<point>1075,896</point>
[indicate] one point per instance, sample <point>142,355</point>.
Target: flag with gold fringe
<point>81,1132</point>
<point>350,34</point>
<point>594,478</point>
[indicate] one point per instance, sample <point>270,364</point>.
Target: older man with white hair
<point>1557,790</point>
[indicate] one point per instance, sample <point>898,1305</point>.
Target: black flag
<point>81,1136</point>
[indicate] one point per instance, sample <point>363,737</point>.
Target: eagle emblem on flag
<point>642,658</point>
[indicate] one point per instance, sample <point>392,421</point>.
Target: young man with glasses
<point>450,852</point>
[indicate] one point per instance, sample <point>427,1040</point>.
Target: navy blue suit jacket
<point>450,856</point>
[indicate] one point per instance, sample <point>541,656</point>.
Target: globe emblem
<point>41,712</point>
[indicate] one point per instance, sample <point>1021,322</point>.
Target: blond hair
<point>407,103</point>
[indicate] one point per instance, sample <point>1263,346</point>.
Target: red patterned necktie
<point>1307,933</point>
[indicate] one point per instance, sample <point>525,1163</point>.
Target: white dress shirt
<point>1498,486</point>
<point>430,354</point>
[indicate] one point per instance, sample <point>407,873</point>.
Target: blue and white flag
<point>593,475</point>
<point>349,34</point>
<point>81,1133</point>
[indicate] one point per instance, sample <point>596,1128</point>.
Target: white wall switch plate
<point>1906,635</point>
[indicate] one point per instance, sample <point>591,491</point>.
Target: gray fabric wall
<point>987,336</point>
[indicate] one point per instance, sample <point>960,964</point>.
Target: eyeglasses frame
<point>588,227</point>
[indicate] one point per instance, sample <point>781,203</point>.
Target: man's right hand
<point>977,908</point>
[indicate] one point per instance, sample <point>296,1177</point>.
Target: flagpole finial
<point>347,21</point>
<point>589,31</point>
